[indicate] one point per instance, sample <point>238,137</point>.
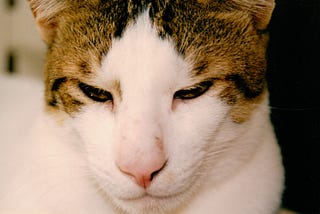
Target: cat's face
<point>157,94</point>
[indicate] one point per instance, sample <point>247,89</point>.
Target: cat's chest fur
<point>150,107</point>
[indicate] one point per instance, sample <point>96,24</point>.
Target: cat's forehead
<point>141,56</point>
<point>198,31</point>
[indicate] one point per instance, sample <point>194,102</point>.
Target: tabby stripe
<point>249,92</point>
<point>57,83</point>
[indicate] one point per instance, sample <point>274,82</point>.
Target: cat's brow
<point>200,68</point>
<point>84,67</point>
<point>57,83</point>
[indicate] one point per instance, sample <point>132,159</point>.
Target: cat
<point>149,107</point>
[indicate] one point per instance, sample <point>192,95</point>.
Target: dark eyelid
<point>96,94</point>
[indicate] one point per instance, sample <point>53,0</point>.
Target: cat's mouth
<point>149,196</point>
<point>154,199</point>
<point>149,202</point>
<point>143,197</point>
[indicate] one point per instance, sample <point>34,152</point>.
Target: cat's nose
<point>142,175</point>
<point>142,164</point>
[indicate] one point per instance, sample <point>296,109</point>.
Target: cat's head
<point>159,94</point>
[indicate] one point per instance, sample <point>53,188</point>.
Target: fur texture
<point>151,107</point>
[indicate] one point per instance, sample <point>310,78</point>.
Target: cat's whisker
<point>291,108</point>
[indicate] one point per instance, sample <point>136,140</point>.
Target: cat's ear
<point>47,13</point>
<point>261,11</point>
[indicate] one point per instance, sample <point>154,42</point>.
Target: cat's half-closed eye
<point>94,93</point>
<point>193,91</point>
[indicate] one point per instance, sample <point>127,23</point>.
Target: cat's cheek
<point>94,125</point>
<point>192,128</point>
<point>95,128</point>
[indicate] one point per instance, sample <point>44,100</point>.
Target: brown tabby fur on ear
<point>46,13</point>
<point>260,10</point>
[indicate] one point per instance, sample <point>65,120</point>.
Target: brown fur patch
<point>223,45</point>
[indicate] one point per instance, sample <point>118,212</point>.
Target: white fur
<point>214,165</point>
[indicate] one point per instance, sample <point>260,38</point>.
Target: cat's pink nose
<point>142,164</point>
<point>143,175</point>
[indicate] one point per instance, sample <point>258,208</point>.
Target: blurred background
<point>21,49</point>
<point>294,67</point>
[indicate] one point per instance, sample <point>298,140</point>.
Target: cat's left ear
<point>261,11</point>
<point>47,13</point>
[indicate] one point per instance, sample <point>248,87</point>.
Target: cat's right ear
<point>47,13</point>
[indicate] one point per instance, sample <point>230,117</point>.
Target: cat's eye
<point>96,94</point>
<point>194,91</point>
